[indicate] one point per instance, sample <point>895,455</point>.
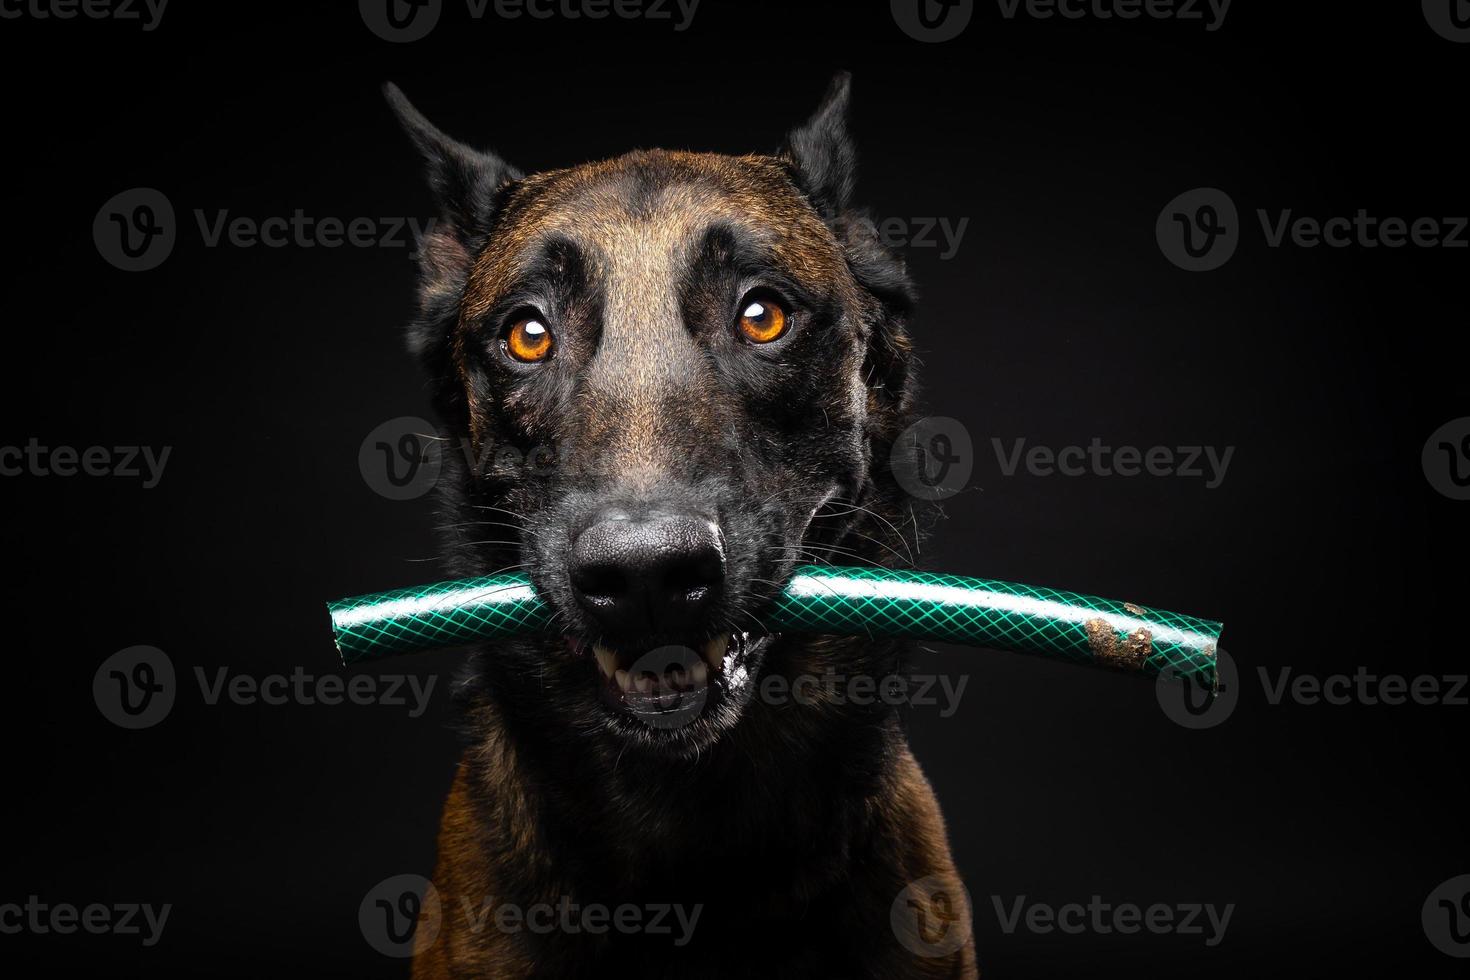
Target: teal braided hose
<point>828,600</point>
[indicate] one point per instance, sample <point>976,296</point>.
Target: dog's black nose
<point>652,575</point>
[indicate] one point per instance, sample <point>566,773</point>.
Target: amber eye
<point>528,340</point>
<point>762,321</point>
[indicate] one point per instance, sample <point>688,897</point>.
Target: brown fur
<point>800,825</point>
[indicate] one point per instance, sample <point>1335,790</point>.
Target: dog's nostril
<point>658,574</point>
<point>599,580</point>
<point>695,573</point>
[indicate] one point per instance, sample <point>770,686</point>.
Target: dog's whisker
<point>859,508</point>
<point>451,527</point>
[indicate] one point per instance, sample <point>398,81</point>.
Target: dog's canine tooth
<point>625,680</point>
<point>607,661</point>
<point>714,651</point>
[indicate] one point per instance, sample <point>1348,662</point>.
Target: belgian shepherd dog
<point>680,375</point>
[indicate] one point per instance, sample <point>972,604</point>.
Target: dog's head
<point>677,376</point>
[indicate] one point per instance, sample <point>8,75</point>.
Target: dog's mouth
<point>672,685</point>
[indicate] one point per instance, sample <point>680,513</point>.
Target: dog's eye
<point>762,320</point>
<point>528,340</point>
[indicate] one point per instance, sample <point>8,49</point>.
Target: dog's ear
<point>467,184</point>
<point>823,160</point>
<point>822,154</point>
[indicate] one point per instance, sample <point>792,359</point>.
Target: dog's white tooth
<point>644,684</point>
<point>699,674</point>
<point>607,661</point>
<point>625,680</point>
<point>714,651</point>
<point>677,678</point>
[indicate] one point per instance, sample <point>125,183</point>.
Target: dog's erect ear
<point>464,180</point>
<point>467,184</point>
<point>822,152</point>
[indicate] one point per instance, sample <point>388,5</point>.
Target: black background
<point>1058,320</point>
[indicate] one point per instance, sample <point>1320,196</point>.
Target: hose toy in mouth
<point>823,599</point>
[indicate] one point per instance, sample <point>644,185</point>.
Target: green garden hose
<point>822,599</point>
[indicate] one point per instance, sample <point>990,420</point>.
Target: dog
<point>680,375</point>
